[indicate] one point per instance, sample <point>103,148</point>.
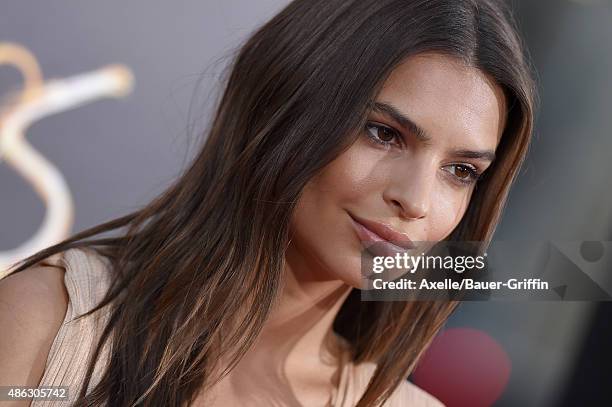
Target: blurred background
<point>116,154</point>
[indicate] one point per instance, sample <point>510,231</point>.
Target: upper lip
<point>386,231</point>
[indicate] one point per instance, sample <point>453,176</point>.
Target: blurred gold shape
<point>36,100</point>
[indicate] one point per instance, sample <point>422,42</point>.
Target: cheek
<point>345,182</point>
<point>353,174</point>
<point>447,209</point>
<point>321,230</point>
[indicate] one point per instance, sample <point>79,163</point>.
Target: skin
<point>411,184</point>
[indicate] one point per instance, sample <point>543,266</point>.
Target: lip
<point>379,231</point>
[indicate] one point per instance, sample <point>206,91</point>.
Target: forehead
<point>449,100</point>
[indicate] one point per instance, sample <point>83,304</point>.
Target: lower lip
<point>374,243</point>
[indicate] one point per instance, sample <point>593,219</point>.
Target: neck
<point>304,313</point>
<point>296,355</point>
<point>297,338</point>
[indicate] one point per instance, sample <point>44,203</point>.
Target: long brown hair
<point>212,245</point>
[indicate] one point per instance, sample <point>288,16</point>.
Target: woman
<point>239,284</point>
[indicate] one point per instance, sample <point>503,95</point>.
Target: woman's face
<point>415,175</point>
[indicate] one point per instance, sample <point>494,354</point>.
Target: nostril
<point>412,211</point>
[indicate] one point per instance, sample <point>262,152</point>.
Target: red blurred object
<point>464,367</point>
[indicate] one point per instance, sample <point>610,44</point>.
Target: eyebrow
<point>409,125</point>
<point>487,155</point>
<point>399,117</point>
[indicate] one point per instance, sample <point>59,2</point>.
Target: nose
<point>410,190</point>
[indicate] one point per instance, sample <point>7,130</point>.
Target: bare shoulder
<point>408,394</point>
<point>33,306</point>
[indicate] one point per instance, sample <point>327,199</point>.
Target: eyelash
<point>474,174</point>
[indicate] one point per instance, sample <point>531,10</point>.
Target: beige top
<point>86,283</point>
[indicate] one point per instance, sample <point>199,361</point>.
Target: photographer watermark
<point>467,271</point>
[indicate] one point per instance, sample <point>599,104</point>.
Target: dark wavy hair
<point>211,246</point>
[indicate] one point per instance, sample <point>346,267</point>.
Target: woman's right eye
<point>383,135</point>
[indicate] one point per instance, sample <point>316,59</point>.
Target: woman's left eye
<point>382,134</point>
<point>465,174</point>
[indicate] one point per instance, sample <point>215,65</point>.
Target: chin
<point>349,271</point>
